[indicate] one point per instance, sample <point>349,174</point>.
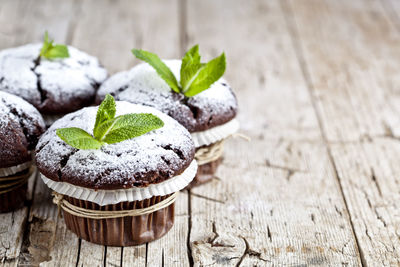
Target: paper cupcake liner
<point>108,197</point>
<point>207,137</point>
<point>14,169</point>
<point>125,231</point>
<point>15,198</point>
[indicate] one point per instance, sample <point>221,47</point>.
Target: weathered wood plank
<point>110,29</point>
<point>277,200</point>
<point>13,29</point>
<point>91,255</point>
<point>65,250</point>
<point>350,57</point>
<point>370,182</point>
<point>171,249</point>
<point>113,256</point>
<point>41,228</point>
<point>13,263</point>
<point>354,51</point>
<point>16,18</point>
<point>11,232</point>
<point>134,256</point>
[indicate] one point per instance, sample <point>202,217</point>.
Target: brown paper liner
<point>14,199</point>
<point>205,173</point>
<point>125,231</point>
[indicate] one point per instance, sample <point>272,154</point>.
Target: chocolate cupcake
<point>20,127</point>
<point>122,193</point>
<point>54,83</point>
<point>209,115</point>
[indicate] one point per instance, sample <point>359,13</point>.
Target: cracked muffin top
<point>55,86</point>
<point>147,159</point>
<point>142,85</point>
<point>20,127</point>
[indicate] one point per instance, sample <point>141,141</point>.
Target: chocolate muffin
<point>209,116</point>
<point>54,86</point>
<point>139,175</point>
<point>20,127</point>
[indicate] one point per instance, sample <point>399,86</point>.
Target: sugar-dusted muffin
<point>20,127</point>
<point>209,116</point>
<point>54,86</point>
<point>140,174</point>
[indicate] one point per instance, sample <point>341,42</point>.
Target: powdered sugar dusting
<point>52,86</point>
<point>140,161</point>
<point>142,85</point>
<point>20,127</point>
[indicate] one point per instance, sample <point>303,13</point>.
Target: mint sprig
<point>109,129</point>
<point>50,50</point>
<point>78,138</point>
<point>105,112</point>
<point>195,76</point>
<point>159,66</point>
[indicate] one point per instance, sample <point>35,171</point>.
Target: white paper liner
<point>215,134</point>
<point>14,169</point>
<point>109,197</point>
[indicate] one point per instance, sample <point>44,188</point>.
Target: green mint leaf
<point>57,51</point>
<point>207,75</point>
<point>50,50</point>
<point>163,71</point>
<point>190,67</point>
<point>46,44</point>
<point>128,126</point>
<point>78,138</point>
<point>108,129</point>
<point>105,112</point>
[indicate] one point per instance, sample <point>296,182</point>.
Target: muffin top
<point>138,162</point>
<point>20,127</point>
<point>142,85</point>
<point>56,86</point>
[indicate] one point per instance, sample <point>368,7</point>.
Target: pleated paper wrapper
<point>107,197</point>
<point>15,199</point>
<point>215,134</point>
<point>14,169</point>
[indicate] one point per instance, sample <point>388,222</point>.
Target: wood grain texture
<point>277,200</point>
<point>91,255</point>
<point>65,250</point>
<point>11,231</point>
<point>350,59</point>
<point>110,29</point>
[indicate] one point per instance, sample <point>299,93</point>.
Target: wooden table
<point>319,90</point>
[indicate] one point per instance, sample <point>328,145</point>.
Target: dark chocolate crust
<point>126,231</point>
<point>57,86</point>
<point>141,85</point>
<point>147,159</point>
<point>20,127</point>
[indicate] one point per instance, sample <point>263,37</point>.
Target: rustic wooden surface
<point>317,82</point>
